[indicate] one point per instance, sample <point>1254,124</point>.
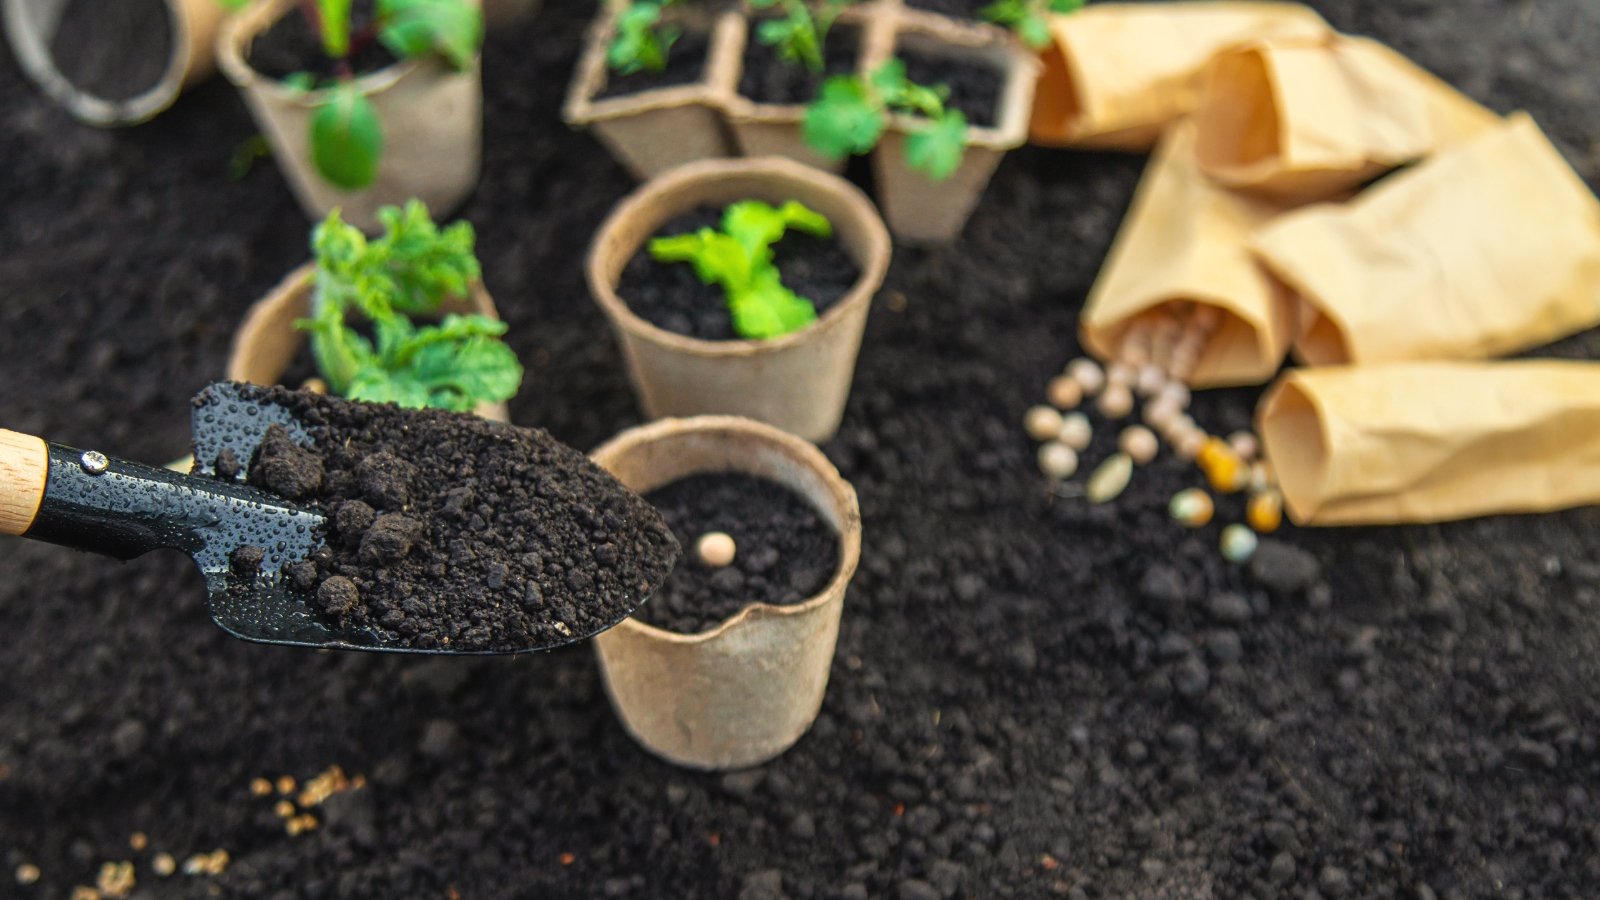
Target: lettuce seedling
<point>1030,19</point>
<point>346,134</point>
<point>643,40</point>
<point>850,114</point>
<point>799,34</point>
<point>409,270</point>
<point>739,259</point>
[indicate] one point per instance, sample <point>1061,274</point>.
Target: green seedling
<point>643,40</point>
<point>1030,19</point>
<point>346,133</point>
<point>739,260</point>
<point>409,270</point>
<point>799,34</point>
<point>850,115</point>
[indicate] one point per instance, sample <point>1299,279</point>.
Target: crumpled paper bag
<point>1307,119</point>
<point>1185,240</point>
<point>1118,73</point>
<point>1486,249</point>
<point>1429,442</point>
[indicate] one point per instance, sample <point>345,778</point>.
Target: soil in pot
<point>768,78</point>
<point>670,296</point>
<point>975,84</point>
<point>291,45</point>
<point>412,552</point>
<point>686,63</point>
<point>113,49</point>
<point>785,552</point>
<point>955,9</point>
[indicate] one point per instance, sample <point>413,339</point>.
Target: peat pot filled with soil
<point>684,336</point>
<point>114,62</point>
<point>726,666</point>
<point>991,79</point>
<point>654,113</point>
<point>394,128</point>
<point>769,106</point>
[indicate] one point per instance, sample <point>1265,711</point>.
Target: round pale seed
<point>1041,422</point>
<point>1057,461</point>
<point>1139,443</point>
<point>715,549</point>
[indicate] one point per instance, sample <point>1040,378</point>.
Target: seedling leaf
<point>416,28</point>
<point>937,148</point>
<point>333,20</point>
<point>844,120</point>
<point>642,42</point>
<point>346,138</point>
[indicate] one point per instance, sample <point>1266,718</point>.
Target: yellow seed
<point>1265,511</point>
<point>115,879</point>
<point>300,824</point>
<point>260,787</point>
<point>163,864</point>
<point>1193,507</point>
<point>1110,479</point>
<point>283,809</point>
<point>138,841</point>
<point>330,782</point>
<point>1064,392</point>
<point>286,784</point>
<point>85,893</point>
<point>27,873</point>
<point>1041,422</point>
<point>1226,471</point>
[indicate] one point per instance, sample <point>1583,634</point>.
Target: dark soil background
<point>1030,698</point>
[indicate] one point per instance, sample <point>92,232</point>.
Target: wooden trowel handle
<point>24,469</point>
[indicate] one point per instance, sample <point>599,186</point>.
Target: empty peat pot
<point>267,342</point>
<point>744,691</point>
<point>114,62</point>
<point>431,116</point>
<point>653,121</point>
<point>798,382</point>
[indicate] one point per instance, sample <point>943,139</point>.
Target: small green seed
<point>1110,479</point>
<point>1238,544</point>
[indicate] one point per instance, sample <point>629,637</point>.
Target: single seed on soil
<point>1245,444</point>
<point>1121,374</point>
<point>1223,467</point>
<point>1176,393</point>
<point>1159,414</point>
<point>138,841</point>
<point>1064,392</point>
<point>283,809</point>
<point>260,787</point>
<point>27,873</point>
<point>1139,443</point>
<point>1189,443</point>
<point>1076,431</point>
<point>1042,422</point>
<point>163,864</point>
<point>286,784</point>
<point>1088,374</point>
<point>314,385</point>
<point>1057,461</point>
<point>1192,507</point>
<point>80,892</point>
<point>715,549</point>
<point>1238,543</point>
<point>1110,479</point>
<point>115,879</point>
<point>1264,512</point>
<point>1116,402</point>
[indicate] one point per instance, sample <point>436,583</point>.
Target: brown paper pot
<point>745,691</point>
<point>769,129</point>
<point>1428,442</point>
<point>1118,74</point>
<point>1186,240</point>
<point>1489,248</point>
<point>1305,120</point>
<point>918,209</point>
<point>798,382</point>
<point>432,120</point>
<point>267,342</point>
<point>652,131</point>
<point>32,26</point>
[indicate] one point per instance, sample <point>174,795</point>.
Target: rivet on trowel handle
<point>94,462</point>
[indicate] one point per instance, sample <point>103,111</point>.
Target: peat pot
<point>746,690</point>
<point>431,114</point>
<point>267,342</point>
<point>798,382</point>
<point>105,78</point>
<point>652,130</point>
<point>918,209</point>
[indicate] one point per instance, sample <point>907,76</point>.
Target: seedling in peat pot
<point>410,270</point>
<point>850,115</point>
<point>739,259</point>
<point>346,134</point>
<point>643,40</point>
<point>799,33</point>
<point>1029,19</point>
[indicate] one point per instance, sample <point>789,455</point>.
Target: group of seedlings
<point>1156,358</point>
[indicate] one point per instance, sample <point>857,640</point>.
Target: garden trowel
<point>90,501</point>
